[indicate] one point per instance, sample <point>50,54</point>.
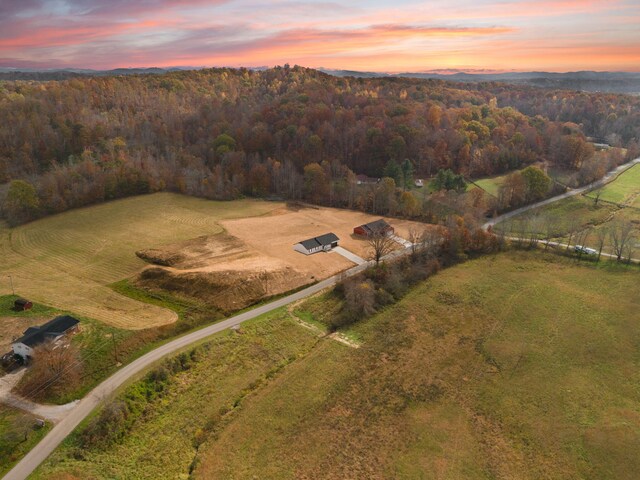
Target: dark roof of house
<point>53,328</point>
<point>21,301</point>
<point>377,226</point>
<point>309,244</point>
<point>366,179</point>
<point>327,239</point>
<point>322,240</point>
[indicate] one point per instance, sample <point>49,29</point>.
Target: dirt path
<point>572,193</point>
<point>337,336</point>
<point>53,413</point>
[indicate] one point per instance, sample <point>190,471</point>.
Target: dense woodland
<point>291,133</point>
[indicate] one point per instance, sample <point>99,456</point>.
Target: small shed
<point>323,243</point>
<point>379,227</point>
<point>22,304</point>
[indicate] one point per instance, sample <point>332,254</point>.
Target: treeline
<point>294,133</point>
<point>368,292</point>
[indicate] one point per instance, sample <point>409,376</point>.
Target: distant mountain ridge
<point>589,81</point>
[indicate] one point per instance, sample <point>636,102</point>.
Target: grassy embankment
<point>517,365</point>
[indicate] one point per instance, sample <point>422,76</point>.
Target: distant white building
<point>419,183</point>
<point>323,243</point>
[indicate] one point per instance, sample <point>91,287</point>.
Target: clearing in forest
<point>228,254</point>
<point>254,258</point>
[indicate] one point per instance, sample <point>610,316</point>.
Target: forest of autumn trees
<point>291,133</point>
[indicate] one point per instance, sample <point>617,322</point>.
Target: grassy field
<point>95,341</point>
<point>13,324</point>
<point>18,434</point>
<point>511,366</point>
<point>490,185</point>
<point>198,402</point>
<point>624,190</point>
<point>68,260</point>
<point>517,365</point>
<point>581,212</point>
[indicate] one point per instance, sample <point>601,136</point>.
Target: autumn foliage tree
<point>224,133</point>
<point>56,368</point>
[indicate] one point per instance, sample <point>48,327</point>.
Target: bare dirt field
<point>276,233</point>
<point>254,258</point>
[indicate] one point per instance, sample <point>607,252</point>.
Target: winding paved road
<point>84,407</point>
<point>571,193</point>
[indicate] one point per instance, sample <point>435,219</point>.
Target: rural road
<point>571,193</point>
<point>564,245</point>
<point>84,407</point>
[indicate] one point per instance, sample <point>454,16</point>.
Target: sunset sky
<point>373,35</point>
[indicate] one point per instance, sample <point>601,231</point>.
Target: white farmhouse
<point>50,331</point>
<point>323,243</point>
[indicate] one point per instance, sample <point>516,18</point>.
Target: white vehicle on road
<point>584,250</point>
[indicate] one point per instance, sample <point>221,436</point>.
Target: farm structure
<point>379,227</point>
<point>365,180</point>
<point>323,243</point>
<point>22,304</point>
<point>50,331</point>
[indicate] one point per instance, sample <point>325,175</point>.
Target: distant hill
<point>67,73</point>
<point>588,81</point>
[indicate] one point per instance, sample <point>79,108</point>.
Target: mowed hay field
<point>68,260</point>
<point>514,366</point>
<point>510,366</point>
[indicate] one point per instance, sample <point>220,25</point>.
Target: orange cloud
<point>382,35</point>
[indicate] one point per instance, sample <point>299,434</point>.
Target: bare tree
<point>596,196</point>
<point>601,236</point>
<point>549,227</point>
<point>18,431</point>
<point>57,367</point>
<point>414,238</point>
<point>264,279</point>
<point>380,245</point>
<point>629,248</point>
<point>360,297</point>
<point>572,227</point>
<point>620,235</point>
<point>430,240</point>
<point>535,225</point>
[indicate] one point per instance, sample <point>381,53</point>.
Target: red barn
<point>379,227</point>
